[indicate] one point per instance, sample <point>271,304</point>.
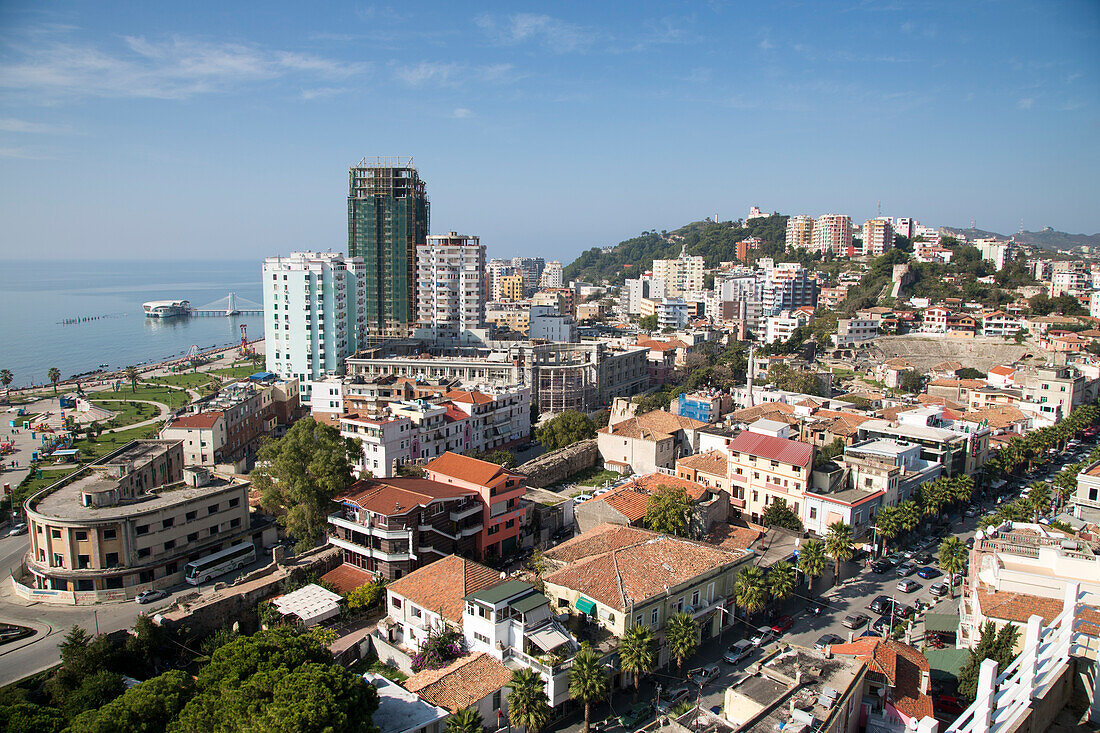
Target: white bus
<point>220,562</point>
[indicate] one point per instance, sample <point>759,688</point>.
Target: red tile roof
<point>399,495</point>
<point>901,665</point>
<point>775,449</point>
<point>466,468</point>
<point>653,425</point>
<point>733,536</point>
<point>199,420</point>
<point>1003,371</point>
<point>470,396</point>
<point>441,586</point>
<point>346,578</point>
<point>631,499</point>
<point>461,683</point>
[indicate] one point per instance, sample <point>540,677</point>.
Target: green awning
<point>946,663</point>
<point>586,606</point>
<point>946,622</point>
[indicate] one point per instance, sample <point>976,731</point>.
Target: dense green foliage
<point>667,510</point>
<point>299,475</point>
<point>780,514</point>
<point>992,644</point>
<point>781,580</point>
<point>636,653</point>
<point>750,590</point>
<point>838,545</point>
<point>682,637</point>
<point>587,682</point>
<point>811,561</point>
<point>565,429</point>
<point>716,242</point>
<point>528,703</point>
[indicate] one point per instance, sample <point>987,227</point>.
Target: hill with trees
<point>1046,238</point>
<point>715,241</point>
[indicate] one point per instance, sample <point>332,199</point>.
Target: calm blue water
<point>35,296</point>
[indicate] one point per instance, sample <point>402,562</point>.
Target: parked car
<point>880,566</point>
<point>148,596</point>
<point>782,624</point>
<point>738,651</point>
<point>908,585</point>
<point>904,611</point>
<point>638,714</point>
<point>928,572</point>
<point>855,620</point>
<point>938,589</point>
<point>884,624</point>
<point>18,529</point>
<point>672,699</point>
<point>880,605</point>
<point>580,499</point>
<point>704,675</point>
<point>827,640</point>
<point>905,569</point>
<point>762,636</point>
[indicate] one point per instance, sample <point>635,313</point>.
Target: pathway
<point>164,410</point>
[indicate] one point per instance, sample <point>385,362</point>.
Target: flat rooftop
<point>400,710</point>
<point>65,503</point>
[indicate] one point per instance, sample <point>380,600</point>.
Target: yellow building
<point>511,287</point>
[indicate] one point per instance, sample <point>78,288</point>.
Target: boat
<point>166,308</point>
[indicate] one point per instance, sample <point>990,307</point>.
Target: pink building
<point>503,514</point>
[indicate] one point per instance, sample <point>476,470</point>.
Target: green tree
<point>528,703</point>
<point>132,377</point>
<point>811,561</point>
<point>299,475</point>
<point>750,589</point>
<point>779,514</point>
<point>636,654</point>
<point>648,323</point>
<point>992,644</point>
<point>838,544</point>
<point>6,378</point>
<point>682,636</point>
<point>667,510</point>
<point>565,429</point>
<point>95,691</point>
<point>888,523</point>
<point>466,720</point>
<point>952,557</point>
<point>780,582</point>
<point>1038,499</point>
<point>54,375</point>
<point>26,717</point>
<point>366,596</point>
<point>150,706</point>
<point>587,682</point>
<point>911,382</point>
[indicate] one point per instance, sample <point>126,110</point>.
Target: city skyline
<point>541,133</point>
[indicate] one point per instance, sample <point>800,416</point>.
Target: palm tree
<point>528,703</point>
<point>780,582</point>
<point>636,653</point>
<point>811,561</point>
<point>888,523</point>
<point>908,515</point>
<point>682,635</point>
<point>838,543</point>
<point>952,557</point>
<point>587,681</point>
<point>132,377</point>
<point>6,378</point>
<point>1038,498</point>
<point>467,720</point>
<point>54,376</point>
<point>750,589</point>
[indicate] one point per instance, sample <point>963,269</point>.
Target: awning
<point>941,622</point>
<point>549,637</point>
<point>586,606</point>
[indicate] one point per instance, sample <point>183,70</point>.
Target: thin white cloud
<point>11,124</point>
<point>452,74</point>
<point>766,45</point>
<point>557,35</point>
<point>321,93</point>
<point>461,113</point>
<point>174,68</point>
<point>1026,103</point>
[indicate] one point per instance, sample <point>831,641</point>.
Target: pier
<point>230,305</point>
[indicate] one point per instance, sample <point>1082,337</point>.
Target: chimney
<point>797,677</point>
<point>925,682</point>
<point>851,635</point>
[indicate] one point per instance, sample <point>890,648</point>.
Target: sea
<point>78,315</point>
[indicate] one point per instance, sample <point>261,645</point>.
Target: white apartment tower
<point>451,286</point>
<point>800,231</point>
<point>551,275</point>
<point>878,236</point>
<point>495,271</point>
<point>312,314</point>
<point>832,233</point>
<point>682,275</point>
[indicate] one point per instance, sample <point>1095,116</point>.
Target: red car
<point>782,624</point>
<point>948,707</point>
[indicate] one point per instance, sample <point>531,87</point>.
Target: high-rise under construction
<point>387,217</point>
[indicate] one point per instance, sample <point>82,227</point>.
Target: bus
<point>211,566</point>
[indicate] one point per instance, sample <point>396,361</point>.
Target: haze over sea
<point>36,296</point>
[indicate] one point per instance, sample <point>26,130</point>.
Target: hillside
<point>1047,238</point>
<point>714,241</point>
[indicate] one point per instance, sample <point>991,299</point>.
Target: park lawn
<point>188,380</point>
<point>94,450</point>
<point>174,398</point>
<point>237,371</point>
<point>126,412</point>
<point>600,477</point>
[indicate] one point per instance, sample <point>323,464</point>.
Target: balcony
<point>380,532</point>
<point>472,510</point>
<point>371,551</point>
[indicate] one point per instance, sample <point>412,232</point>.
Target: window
<point>212,509</point>
<point>55,533</point>
<point>143,552</point>
<point>190,516</point>
<point>654,616</point>
<point>395,602</point>
<point>168,522</point>
<point>83,561</point>
<point>109,534</point>
<point>234,503</point>
<point>58,560</point>
<point>638,620</point>
<point>193,537</point>
<point>236,522</point>
<point>112,559</point>
<point>695,599</point>
<point>813,512</point>
<point>169,545</point>
<point>81,535</point>
<point>214,530</point>
<point>496,700</point>
<point>481,637</point>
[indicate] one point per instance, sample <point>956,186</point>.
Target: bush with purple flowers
<point>441,647</point>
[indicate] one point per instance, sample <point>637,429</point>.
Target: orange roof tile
<point>399,495</point>
<point>901,665</point>
<point>1003,371</point>
<point>461,683</point>
<point>471,396</point>
<point>470,469</point>
<point>346,578</point>
<point>734,537</point>
<point>712,462</point>
<point>197,421</point>
<point>441,586</point>
<point>653,425</point>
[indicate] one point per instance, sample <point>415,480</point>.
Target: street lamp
<point>722,628</point>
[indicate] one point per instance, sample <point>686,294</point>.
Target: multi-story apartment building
<point>958,449</point>
<point>393,526</point>
<point>832,297</point>
<point>889,466</point>
<point>680,275</point>
<point>1057,389</point>
<point>531,270</point>
<point>999,253</point>
<point>747,245</point>
<point>546,324</point>
<point>764,468</point>
<point>878,236</point>
<point>782,326</point>
<point>934,320</point>
<point>832,233</point>
<point>637,290</point>
<point>496,269</point>
<point>434,432</point>
<point>800,231</point>
<point>509,314</point>
<point>511,287</point>
<point>670,312</point>
<point>903,225</point>
<point>1069,281</point>
<point>132,521</point>
<point>388,215</point>
<point>313,313</point>
<point>787,286</point>
<point>499,417</point>
<point>999,323</point>
<point>551,275</point>
<point>500,491</point>
<point>387,443</point>
<point>451,285</point>
<point>854,332</point>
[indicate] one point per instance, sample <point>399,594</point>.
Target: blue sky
<point>159,130</point>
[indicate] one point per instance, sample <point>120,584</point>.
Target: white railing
<point>1003,699</point>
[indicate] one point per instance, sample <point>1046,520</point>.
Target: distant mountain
<point>1047,238</point>
<point>715,241</point>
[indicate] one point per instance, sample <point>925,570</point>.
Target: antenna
<point>880,207</point>
<point>1021,225</point>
